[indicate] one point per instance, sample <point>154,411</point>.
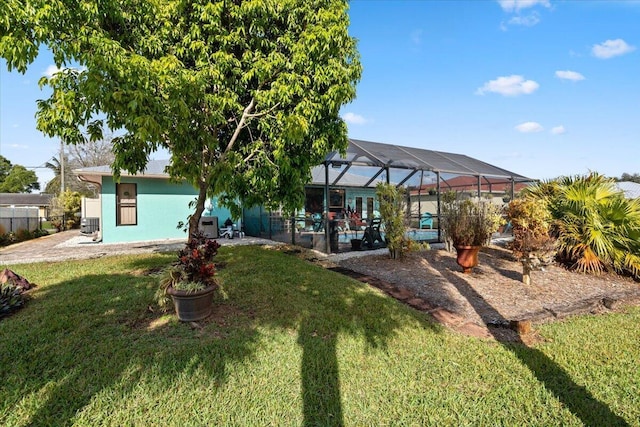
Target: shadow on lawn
<point>84,338</point>
<point>90,338</point>
<point>576,398</point>
<point>321,305</point>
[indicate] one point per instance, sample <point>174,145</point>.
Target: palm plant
<point>597,228</point>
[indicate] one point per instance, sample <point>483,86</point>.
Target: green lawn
<point>292,344</point>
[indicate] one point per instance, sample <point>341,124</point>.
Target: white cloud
<point>525,21</point>
<point>354,119</point>
<point>516,5</point>
<point>611,48</point>
<point>18,146</point>
<point>558,130</point>
<point>529,127</point>
<point>569,75</point>
<point>51,70</point>
<point>513,85</point>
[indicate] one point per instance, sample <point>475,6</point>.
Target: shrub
<point>392,212</point>
<point>469,223</point>
<point>597,228</point>
<point>11,298</point>
<point>532,243</point>
<point>23,235</point>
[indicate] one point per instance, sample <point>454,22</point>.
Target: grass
<point>291,344</point>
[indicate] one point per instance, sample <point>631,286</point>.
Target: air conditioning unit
<point>89,225</point>
<point>209,226</point>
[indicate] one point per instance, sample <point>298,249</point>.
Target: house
<point>23,210</point>
<point>143,207</point>
<point>147,206</point>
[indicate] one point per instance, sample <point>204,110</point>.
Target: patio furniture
<point>426,220</point>
<point>372,235</point>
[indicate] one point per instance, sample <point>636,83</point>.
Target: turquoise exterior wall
<point>160,206</point>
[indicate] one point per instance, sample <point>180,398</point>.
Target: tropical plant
<point>64,209</point>
<point>244,95</point>
<point>11,298</point>
<point>597,228</point>
<point>392,212</point>
<point>193,270</point>
<point>532,243</point>
<point>467,222</point>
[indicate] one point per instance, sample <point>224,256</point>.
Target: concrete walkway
<point>70,245</point>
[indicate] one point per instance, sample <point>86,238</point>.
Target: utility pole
<point>61,167</point>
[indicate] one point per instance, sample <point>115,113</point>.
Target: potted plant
<point>190,280</point>
<point>354,223</point>
<point>468,225</point>
<point>532,242</point>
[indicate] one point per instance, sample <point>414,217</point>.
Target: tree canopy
<point>16,178</point>
<point>244,94</point>
<point>630,177</point>
<point>87,154</point>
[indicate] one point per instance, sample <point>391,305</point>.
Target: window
<point>369,207</point>
<point>314,200</point>
<point>359,206</point>
<point>336,199</point>
<point>126,204</point>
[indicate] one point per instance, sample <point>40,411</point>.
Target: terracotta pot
<point>467,257</point>
<point>192,306</point>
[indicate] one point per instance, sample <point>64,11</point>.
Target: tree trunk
<point>194,220</point>
<point>526,274</point>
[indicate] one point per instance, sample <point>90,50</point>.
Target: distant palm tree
<point>597,228</point>
<point>53,186</point>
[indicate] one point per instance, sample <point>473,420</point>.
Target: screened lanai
<point>343,188</point>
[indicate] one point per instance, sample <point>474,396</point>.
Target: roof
<point>25,199</point>
<point>154,169</point>
<point>367,153</point>
<point>630,189</point>
<point>363,164</point>
<point>470,183</point>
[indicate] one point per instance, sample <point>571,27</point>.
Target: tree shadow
<point>575,397</point>
<point>80,337</point>
<point>321,305</point>
<point>108,339</point>
<point>498,259</point>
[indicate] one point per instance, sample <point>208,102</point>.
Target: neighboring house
<point>23,210</point>
<point>41,201</point>
<point>630,189</point>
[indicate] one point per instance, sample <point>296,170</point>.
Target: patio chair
<point>318,222</point>
<point>372,235</point>
<point>426,220</point>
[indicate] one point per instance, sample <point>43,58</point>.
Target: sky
<point>542,88</point>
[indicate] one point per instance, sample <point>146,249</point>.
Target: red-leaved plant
<point>193,271</point>
<point>195,261</point>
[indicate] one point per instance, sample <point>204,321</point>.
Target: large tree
<point>16,178</point>
<point>244,94</point>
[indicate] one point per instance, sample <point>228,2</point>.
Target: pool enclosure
<point>341,201</point>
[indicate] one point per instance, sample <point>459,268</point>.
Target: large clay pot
<point>467,257</point>
<point>192,306</point>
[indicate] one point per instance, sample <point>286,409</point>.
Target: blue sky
<point>539,87</point>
